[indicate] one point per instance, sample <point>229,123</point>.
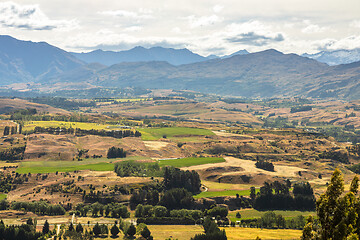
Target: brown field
<point>8,105</point>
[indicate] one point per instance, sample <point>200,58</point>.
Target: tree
<point>145,232</point>
<point>79,228</point>
<point>131,230</point>
<point>338,214</point>
<point>97,229</point>
<point>71,227</point>
<point>29,221</point>
<point>114,230</point>
<point>46,227</point>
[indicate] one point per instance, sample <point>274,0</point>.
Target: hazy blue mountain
<point>141,54</point>
<point>336,57</point>
<point>241,52</point>
<point>262,74</point>
<point>25,61</point>
<point>268,73</point>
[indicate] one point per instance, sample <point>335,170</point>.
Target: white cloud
<point>133,29</point>
<point>140,15</point>
<point>313,28</point>
<point>355,23</point>
<point>218,8</point>
<point>30,17</point>
<point>203,21</point>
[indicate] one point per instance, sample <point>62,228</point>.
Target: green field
<point>98,164</point>
<point>2,196</point>
<point>224,193</point>
<point>191,161</point>
<point>29,126</point>
<point>148,134</point>
<point>252,213</point>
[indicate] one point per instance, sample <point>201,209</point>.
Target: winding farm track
<point>249,167</point>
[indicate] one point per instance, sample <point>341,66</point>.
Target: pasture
<point>231,193</point>
<point>190,161</point>
<point>94,164</point>
<point>2,196</point>
<point>148,134</point>
<point>252,213</point>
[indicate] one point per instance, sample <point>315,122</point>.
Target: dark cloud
<point>27,26</point>
<point>252,38</point>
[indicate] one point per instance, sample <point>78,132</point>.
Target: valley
<point>60,158</point>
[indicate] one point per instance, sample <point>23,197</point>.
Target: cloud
<point>313,28</point>
<point>252,38</point>
<point>252,33</point>
<point>218,8</point>
<point>355,24</point>
<point>140,15</point>
<point>350,42</point>
<point>30,17</point>
<point>133,29</point>
<point>203,21</point>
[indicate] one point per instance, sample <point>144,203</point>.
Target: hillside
<point>26,61</point>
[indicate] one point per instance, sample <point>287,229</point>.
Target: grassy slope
<point>2,196</point>
<point>97,164</point>
<point>148,134</point>
<point>187,162</point>
<point>224,193</point>
<point>252,213</point>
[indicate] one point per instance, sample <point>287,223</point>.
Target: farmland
<point>148,134</point>
<point>224,193</point>
<point>191,161</point>
<point>29,126</point>
<point>102,164</point>
<point>252,233</point>
<point>223,155</point>
<point>252,213</point>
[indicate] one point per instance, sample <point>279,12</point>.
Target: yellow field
<point>180,232</point>
<point>238,233</point>
<point>82,125</point>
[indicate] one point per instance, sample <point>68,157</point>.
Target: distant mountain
<point>336,57</point>
<point>268,73</point>
<point>25,61</point>
<point>241,52</point>
<point>141,54</point>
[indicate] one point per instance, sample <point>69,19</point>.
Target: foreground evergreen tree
<point>114,231</point>
<point>46,227</point>
<point>338,214</point>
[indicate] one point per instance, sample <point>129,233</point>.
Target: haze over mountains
<point>268,73</point>
<point>141,54</point>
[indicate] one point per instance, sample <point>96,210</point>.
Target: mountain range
<point>336,57</point>
<point>268,73</point>
<point>141,54</point>
<point>28,61</point>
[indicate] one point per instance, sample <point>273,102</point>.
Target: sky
<point>203,26</point>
